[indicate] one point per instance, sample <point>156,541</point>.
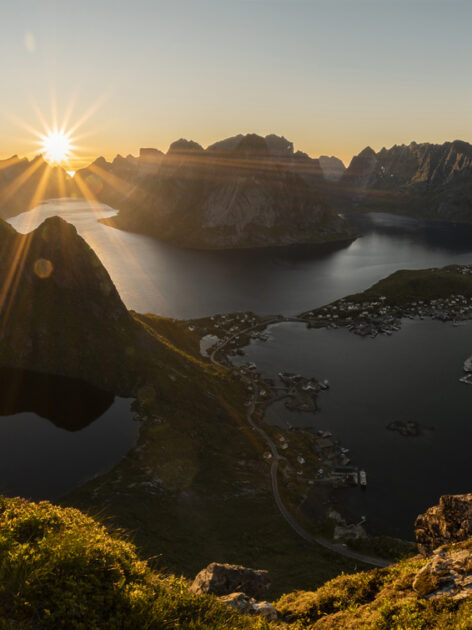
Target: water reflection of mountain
<point>68,403</point>
<point>441,235</point>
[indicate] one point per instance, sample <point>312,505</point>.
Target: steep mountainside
<point>60,312</point>
<point>62,569</point>
<point>426,180</point>
<point>245,191</point>
<point>24,184</point>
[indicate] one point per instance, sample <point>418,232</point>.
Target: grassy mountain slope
<point>61,570</point>
<point>409,285</point>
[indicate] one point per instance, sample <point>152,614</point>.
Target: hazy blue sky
<point>332,76</point>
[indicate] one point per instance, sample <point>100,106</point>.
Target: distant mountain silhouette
<point>25,183</point>
<point>425,180</point>
<point>252,191</point>
<point>332,167</point>
<point>244,191</point>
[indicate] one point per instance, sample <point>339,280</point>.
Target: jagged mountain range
<point>426,180</point>
<point>245,191</point>
<point>25,183</point>
<point>250,190</point>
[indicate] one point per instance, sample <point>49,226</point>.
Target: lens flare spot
<point>43,268</point>
<point>94,183</point>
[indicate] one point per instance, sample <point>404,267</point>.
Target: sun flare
<point>56,146</point>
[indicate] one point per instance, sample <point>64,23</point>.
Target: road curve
<point>309,538</point>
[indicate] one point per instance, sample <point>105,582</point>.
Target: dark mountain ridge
<point>245,191</point>
<point>25,183</point>
<point>427,180</point>
<point>60,313</point>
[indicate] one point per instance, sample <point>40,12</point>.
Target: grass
<point>381,599</point>
<point>60,569</point>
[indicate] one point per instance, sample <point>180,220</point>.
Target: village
<point>376,317</point>
<point>310,460</point>
<point>307,457</point>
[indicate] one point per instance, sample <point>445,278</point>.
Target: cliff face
<point>245,191</point>
<point>448,522</point>
<point>60,312</point>
<point>24,184</point>
<point>427,180</point>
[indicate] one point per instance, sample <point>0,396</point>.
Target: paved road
<point>317,540</point>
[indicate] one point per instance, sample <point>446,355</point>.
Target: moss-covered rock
<point>385,599</point>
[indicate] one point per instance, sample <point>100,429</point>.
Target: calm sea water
<point>412,375</point>
<point>159,278</point>
<point>57,432</point>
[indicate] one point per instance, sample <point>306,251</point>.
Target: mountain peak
<point>367,152</point>
<point>150,154</point>
<point>184,146</point>
<point>68,319</point>
<point>252,143</point>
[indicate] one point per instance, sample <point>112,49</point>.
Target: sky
<point>331,76</point>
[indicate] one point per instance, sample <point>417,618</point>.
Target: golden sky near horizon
<point>332,77</point>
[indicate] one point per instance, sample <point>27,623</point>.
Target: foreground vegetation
<point>381,599</point>
<point>61,569</point>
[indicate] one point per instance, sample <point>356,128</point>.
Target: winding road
<point>317,540</point>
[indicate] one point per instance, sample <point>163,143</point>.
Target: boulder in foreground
<point>224,579</point>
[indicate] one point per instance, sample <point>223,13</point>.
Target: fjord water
<point>57,432</point>
<point>156,277</point>
<point>412,375</point>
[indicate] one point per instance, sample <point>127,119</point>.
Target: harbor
<point>421,397</point>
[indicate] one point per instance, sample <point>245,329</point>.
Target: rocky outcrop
<point>448,572</point>
<point>60,313</point>
<point>249,606</point>
<point>246,191</point>
<point>450,521</point>
<point>225,579</point>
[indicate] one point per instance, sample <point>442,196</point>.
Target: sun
<point>56,146</point>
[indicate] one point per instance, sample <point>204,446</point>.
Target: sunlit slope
<point>61,569</point>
